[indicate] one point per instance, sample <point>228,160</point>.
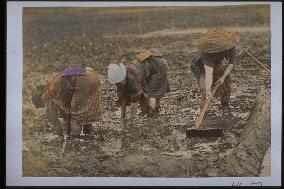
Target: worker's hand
<point>220,81</point>
<point>208,95</point>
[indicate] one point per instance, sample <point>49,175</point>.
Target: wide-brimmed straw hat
<point>116,73</point>
<point>218,39</point>
<point>141,56</point>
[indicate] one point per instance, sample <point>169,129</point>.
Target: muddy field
<point>149,147</point>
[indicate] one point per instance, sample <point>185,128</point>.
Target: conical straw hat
<point>218,39</point>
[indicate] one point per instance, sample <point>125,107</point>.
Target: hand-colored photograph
<point>151,91</point>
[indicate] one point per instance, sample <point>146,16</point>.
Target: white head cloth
<point>116,73</point>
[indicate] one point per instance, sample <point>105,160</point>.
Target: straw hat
<point>116,73</point>
<point>141,56</point>
<point>218,39</point>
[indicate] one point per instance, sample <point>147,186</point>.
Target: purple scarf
<point>74,70</point>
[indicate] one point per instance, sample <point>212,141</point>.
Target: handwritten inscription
<point>236,184</point>
<point>256,183</point>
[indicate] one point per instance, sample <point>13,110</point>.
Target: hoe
<point>204,132</point>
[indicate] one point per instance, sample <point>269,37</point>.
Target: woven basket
<point>218,39</point>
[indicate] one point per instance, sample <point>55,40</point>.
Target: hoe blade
<point>205,132</point>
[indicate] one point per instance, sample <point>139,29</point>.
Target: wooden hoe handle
<point>205,107</point>
<point>259,63</point>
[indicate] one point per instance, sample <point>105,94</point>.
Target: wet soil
<point>150,147</point>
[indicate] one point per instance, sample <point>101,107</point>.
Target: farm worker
<point>213,63</point>
<point>143,81</point>
<point>74,95</point>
